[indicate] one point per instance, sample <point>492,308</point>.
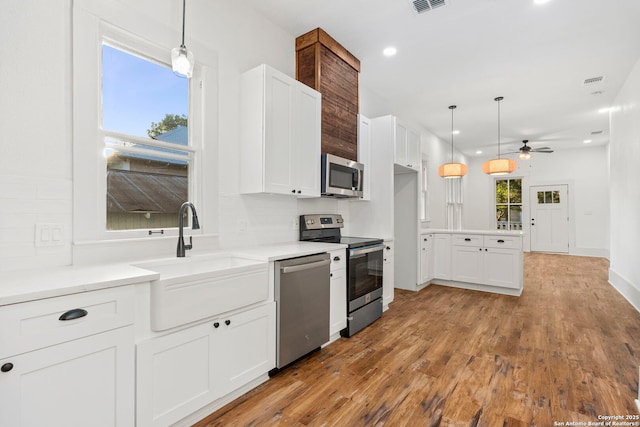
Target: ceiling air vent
<point>421,6</point>
<point>593,80</point>
<point>596,132</point>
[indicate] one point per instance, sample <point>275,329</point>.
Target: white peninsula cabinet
<point>69,360</point>
<point>426,258</point>
<point>480,260</point>
<point>280,134</point>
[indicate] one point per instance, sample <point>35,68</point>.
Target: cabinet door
<point>338,314</point>
<point>88,381</point>
<point>400,153</point>
<point>413,150</point>
<point>388,274</point>
<point>306,142</point>
<point>364,153</point>
<point>468,264</point>
<point>175,375</point>
<point>426,258</point>
<point>502,267</point>
<point>245,347</point>
<point>278,138</point>
<point>442,256</point>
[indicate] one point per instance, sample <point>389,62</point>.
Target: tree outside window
<point>509,204</point>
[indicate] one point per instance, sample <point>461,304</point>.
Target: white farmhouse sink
<point>194,288</point>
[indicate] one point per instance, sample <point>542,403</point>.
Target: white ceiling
<point>468,52</point>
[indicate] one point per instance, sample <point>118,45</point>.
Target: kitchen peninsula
<point>483,260</point>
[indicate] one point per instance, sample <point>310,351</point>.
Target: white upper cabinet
<point>280,134</point>
<point>406,147</point>
<point>364,153</point>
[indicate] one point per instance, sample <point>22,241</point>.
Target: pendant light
<point>452,170</point>
<point>499,166</point>
<point>181,57</point>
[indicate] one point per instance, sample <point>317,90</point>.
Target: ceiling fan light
<point>499,166</point>
<point>525,155</point>
<point>452,170</point>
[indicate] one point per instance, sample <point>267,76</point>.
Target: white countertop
<point>485,232</point>
<point>22,285</point>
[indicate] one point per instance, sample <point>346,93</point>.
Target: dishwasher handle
<point>302,267</point>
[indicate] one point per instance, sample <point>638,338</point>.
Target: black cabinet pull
<point>388,248</point>
<point>480,249</point>
<point>330,274</point>
<point>216,324</point>
<point>227,322</point>
<point>466,239</point>
<point>336,258</point>
<point>486,250</point>
<point>500,241</point>
<point>6,367</point>
<point>76,313</point>
<point>293,191</point>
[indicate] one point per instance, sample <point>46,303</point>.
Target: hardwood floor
<point>567,350</point>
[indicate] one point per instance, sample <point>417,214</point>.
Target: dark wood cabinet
<point>325,65</point>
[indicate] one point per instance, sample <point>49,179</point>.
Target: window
<point>509,204</point>
<point>453,188</point>
<point>129,183</point>
<point>145,140</point>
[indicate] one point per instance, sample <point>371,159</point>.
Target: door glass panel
<point>556,197</point>
<point>547,197</point>
<point>540,197</point>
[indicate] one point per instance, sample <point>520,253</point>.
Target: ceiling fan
<point>525,151</point>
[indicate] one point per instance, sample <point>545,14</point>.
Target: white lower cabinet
<point>180,372</point>
<point>338,294</point>
<point>68,361</point>
<point>426,258</point>
<point>487,260</point>
<point>442,256</point>
<point>388,274</point>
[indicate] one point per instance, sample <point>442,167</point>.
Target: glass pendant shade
<point>181,57</point>
<point>452,170</point>
<point>182,62</point>
<point>499,166</point>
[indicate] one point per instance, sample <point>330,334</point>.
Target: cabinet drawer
<point>338,260</point>
<point>467,240</point>
<point>507,242</point>
<point>37,324</point>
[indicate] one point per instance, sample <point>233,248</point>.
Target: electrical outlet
<point>48,234</point>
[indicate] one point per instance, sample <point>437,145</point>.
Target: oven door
<point>364,275</point>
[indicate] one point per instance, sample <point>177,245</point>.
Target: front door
<point>549,219</point>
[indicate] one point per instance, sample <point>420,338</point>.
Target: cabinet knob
<point>227,322</point>
<point>299,191</point>
<point>216,324</point>
<point>388,248</point>
<point>330,274</point>
<point>6,367</point>
<point>486,249</point>
<point>293,191</point>
<point>480,249</point>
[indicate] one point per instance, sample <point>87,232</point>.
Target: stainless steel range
<point>364,268</point>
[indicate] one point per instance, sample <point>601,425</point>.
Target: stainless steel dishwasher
<point>302,303</point>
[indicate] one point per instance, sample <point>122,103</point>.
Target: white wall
<point>36,123</point>
<point>586,172</point>
<point>624,271</point>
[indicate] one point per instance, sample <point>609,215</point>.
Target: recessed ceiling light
<point>587,141</point>
<point>479,152</point>
<point>456,132</point>
<point>389,51</point>
<point>540,1</point>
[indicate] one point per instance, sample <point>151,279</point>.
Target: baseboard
<point>592,252</point>
<point>627,289</point>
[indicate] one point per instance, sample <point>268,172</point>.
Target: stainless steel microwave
<point>341,177</point>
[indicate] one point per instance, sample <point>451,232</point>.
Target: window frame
<point>508,204</point>
<point>89,162</point>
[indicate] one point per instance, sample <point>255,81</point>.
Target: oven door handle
<point>365,250</point>
<point>303,267</point>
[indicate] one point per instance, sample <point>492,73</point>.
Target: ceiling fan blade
<point>542,151</point>
<point>542,148</point>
